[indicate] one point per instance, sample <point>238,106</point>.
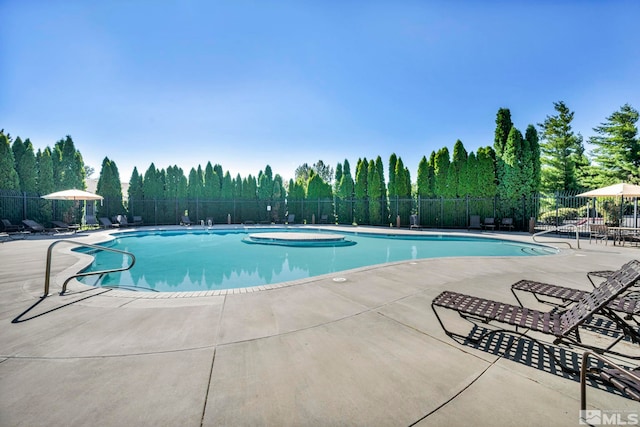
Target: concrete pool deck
<point>366,350</point>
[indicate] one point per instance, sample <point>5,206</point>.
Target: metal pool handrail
<point>47,277</point>
<point>556,228</point>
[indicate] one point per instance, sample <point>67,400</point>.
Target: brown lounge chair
<point>33,226</point>
<point>8,227</point>
<point>60,226</point>
<point>562,324</point>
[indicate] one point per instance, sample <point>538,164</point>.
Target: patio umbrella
<point>72,194</point>
<point>620,189</point>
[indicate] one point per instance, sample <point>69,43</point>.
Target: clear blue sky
<point>250,83</point>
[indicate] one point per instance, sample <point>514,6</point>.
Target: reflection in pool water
<point>201,260</point>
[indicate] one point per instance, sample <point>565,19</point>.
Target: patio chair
<point>561,324</point>
<point>413,221</point>
<point>8,227</point>
<point>137,220</point>
<point>628,304</point>
<point>106,222</point>
<point>59,226</point>
<point>185,220</point>
<point>506,223</point>
<point>598,232</point>
<point>122,220</point>
<point>489,223</point>
<point>291,219</point>
<point>33,226</point>
<point>623,379</point>
<point>474,222</point>
<point>324,219</point>
<point>90,220</point>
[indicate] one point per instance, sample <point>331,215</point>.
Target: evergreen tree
<point>383,190</point>
<point>9,179</point>
<point>511,186</point>
<point>338,176</point>
<point>250,199</point>
<point>135,194</point>
<point>441,172</point>
<point>45,182</point>
<point>295,198</point>
<point>424,189</point>
<point>503,127</point>
<point>533,143</point>
<point>393,160</point>
<point>617,152</point>
<point>374,191</point>
<point>45,172</point>
<point>486,172</point>
<point>211,183</point>
<point>361,208</point>
<point>344,195</point>
<point>70,172</point>
<point>318,195</point>
<point>468,185</point>
<point>110,188</point>
<point>152,190</point>
<point>25,160</point>
<point>460,156</point>
<point>560,150</point>
<point>278,199</point>
<point>403,189</point>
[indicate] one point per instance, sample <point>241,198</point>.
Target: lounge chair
<point>8,227</point>
<point>33,226</point>
<point>137,220</point>
<point>122,220</point>
<point>90,220</point>
<point>506,223</point>
<point>562,324</point>
<point>474,222</point>
<point>628,305</point>
<point>291,219</point>
<point>106,222</point>
<point>184,220</point>
<point>489,223</point>
<point>625,380</point>
<point>59,226</point>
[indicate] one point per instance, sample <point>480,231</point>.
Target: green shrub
<point>562,214</point>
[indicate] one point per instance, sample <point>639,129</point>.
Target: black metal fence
<point>546,210</point>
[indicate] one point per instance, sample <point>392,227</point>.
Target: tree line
<point>546,158</point>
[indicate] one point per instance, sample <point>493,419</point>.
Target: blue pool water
<point>190,260</point>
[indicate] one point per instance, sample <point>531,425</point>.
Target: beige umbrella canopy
<point>72,194</point>
<point>621,189</point>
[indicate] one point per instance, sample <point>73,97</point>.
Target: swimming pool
<point>209,259</point>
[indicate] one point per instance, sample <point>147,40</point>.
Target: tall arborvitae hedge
<point>45,182</point>
<point>135,195</point>
<point>374,191</point>
<point>344,195</point>
<point>441,166</point>
<point>109,187</point>
<point>25,159</point>
<point>9,179</point>
<point>361,208</point>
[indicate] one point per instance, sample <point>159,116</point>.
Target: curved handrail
<point>556,228</point>
<point>47,277</point>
